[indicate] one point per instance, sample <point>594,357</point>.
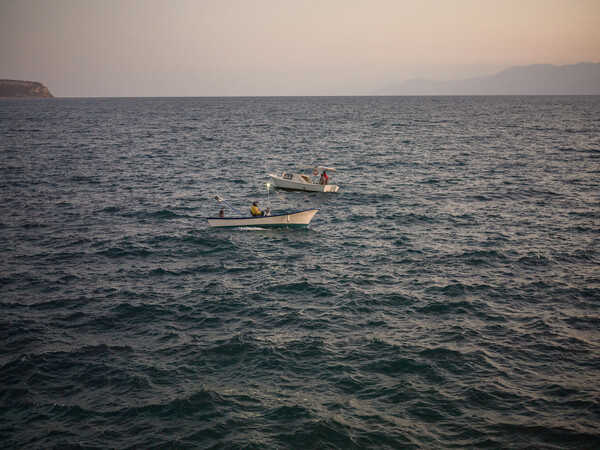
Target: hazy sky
<point>282,47</point>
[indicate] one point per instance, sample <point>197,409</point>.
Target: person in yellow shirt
<point>255,211</point>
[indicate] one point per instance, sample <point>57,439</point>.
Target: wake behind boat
<point>296,219</point>
<point>301,182</point>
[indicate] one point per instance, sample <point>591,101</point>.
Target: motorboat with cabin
<point>301,182</point>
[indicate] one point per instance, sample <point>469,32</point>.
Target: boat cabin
<point>300,178</point>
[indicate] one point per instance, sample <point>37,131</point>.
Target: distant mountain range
<point>19,88</point>
<point>538,79</point>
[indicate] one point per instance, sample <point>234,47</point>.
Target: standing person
<point>324,178</point>
<point>255,211</point>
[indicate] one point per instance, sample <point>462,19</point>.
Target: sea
<point>447,296</point>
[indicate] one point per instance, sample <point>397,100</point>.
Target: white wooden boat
<point>296,219</point>
<point>301,182</point>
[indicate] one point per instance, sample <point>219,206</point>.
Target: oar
<point>219,199</point>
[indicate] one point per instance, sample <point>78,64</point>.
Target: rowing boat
<point>294,219</point>
<point>301,182</point>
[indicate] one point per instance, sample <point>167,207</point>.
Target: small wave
<point>322,433</point>
<point>123,251</point>
<point>396,299</point>
<point>536,260</point>
<point>236,345</point>
<point>308,348</point>
<point>145,312</point>
<point>445,307</point>
<point>18,397</point>
<point>396,366</point>
<point>6,281</point>
<point>479,257</point>
<point>580,130</point>
<point>157,214</point>
<point>102,349</point>
<point>539,436</point>
<point>33,226</point>
<point>290,413</point>
<point>414,218</point>
<point>204,402</point>
<point>164,214</point>
<point>301,288</point>
<point>85,179</point>
<point>201,269</point>
<point>111,209</point>
<point>77,316</point>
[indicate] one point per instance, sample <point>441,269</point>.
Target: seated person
<point>255,211</point>
<point>222,213</point>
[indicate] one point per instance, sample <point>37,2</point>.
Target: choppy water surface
<point>447,296</point>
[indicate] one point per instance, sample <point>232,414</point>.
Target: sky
<point>131,48</point>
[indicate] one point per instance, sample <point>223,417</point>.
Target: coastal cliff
<point>17,88</point>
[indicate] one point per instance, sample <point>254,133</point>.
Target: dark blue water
<point>447,296</point>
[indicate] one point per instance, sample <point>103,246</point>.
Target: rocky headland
<point>29,89</point>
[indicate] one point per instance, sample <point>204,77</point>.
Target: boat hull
<point>290,185</point>
<point>297,219</point>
